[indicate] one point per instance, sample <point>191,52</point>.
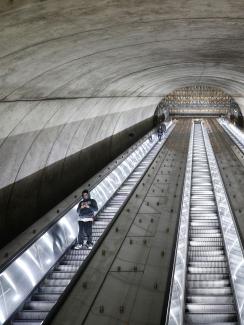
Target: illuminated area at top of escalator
<point>199,100</point>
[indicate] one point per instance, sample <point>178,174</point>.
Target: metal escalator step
<point>106,220</point>
<point>207,277</point>
<point>74,257</point>
<point>45,297</point>
<point>117,202</point>
<point>205,249</point>
<point>201,183</point>
<point>75,252</point>
<point>208,270</point>
<point>206,236</point>
<point>201,192</point>
<point>204,225</point>
<point>208,283</point>
<point>209,291</point>
<point>71,263</point>
<point>203,244</point>
<point>106,216</point>
<point>210,308</point>
<point>50,290</point>
<point>198,238</point>
<point>204,214</point>
<point>111,210</point>
<point>210,299</point>
<point>206,209</point>
<point>66,268</point>
<point>61,275</point>
<point>199,196</point>
<point>38,305</point>
<point>218,323</point>
<point>31,315</point>
<point>203,253</point>
<point>97,227</point>
<point>56,282</point>
<point>97,232</point>
<point>219,258</point>
<point>205,318</point>
<point>207,264</point>
<point>204,229</point>
<point>206,205</point>
<point>120,193</point>
<point>103,221</point>
<point>200,175</point>
<point>202,248</point>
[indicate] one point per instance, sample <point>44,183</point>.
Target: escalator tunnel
<point>197,235</point>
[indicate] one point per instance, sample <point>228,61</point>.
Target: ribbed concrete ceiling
<point>120,48</point>
<point>73,73</point>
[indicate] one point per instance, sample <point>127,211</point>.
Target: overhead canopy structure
<point>198,100</point>
<point>77,78</point>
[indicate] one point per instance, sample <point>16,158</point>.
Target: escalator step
<point>206,277</point>
<point>38,305</point>
<point>209,291</point>
<point>208,284</point>
<point>206,251</point>
<point>75,257</point>
<point>56,282</point>
<point>218,323</point>
<point>50,290</point>
<point>31,315</point>
<point>45,297</point>
<point>210,308</point>
<point>210,318</point>
<point>210,299</point>
<point>207,264</point>
<point>61,275</point>
<point>218,258</point>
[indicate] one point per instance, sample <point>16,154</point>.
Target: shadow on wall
<point>24,202</point>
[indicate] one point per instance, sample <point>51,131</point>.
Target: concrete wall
<point>48,149</point>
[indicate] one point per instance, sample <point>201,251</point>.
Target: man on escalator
<point>85,209</point>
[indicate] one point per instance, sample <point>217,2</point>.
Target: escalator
<point>36,309</point>
<point>208,277</point>
<point>27,300</point>
<point>233,132</point>
<point>209,296</point>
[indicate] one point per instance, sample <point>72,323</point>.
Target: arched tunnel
<point>84,88</point>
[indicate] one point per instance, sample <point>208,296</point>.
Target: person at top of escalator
<point>161,130</point>
<point>86,209</point>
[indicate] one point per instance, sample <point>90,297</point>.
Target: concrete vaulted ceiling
<point>77,74</point>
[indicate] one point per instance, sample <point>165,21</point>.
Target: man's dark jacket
<point>87,213</point>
